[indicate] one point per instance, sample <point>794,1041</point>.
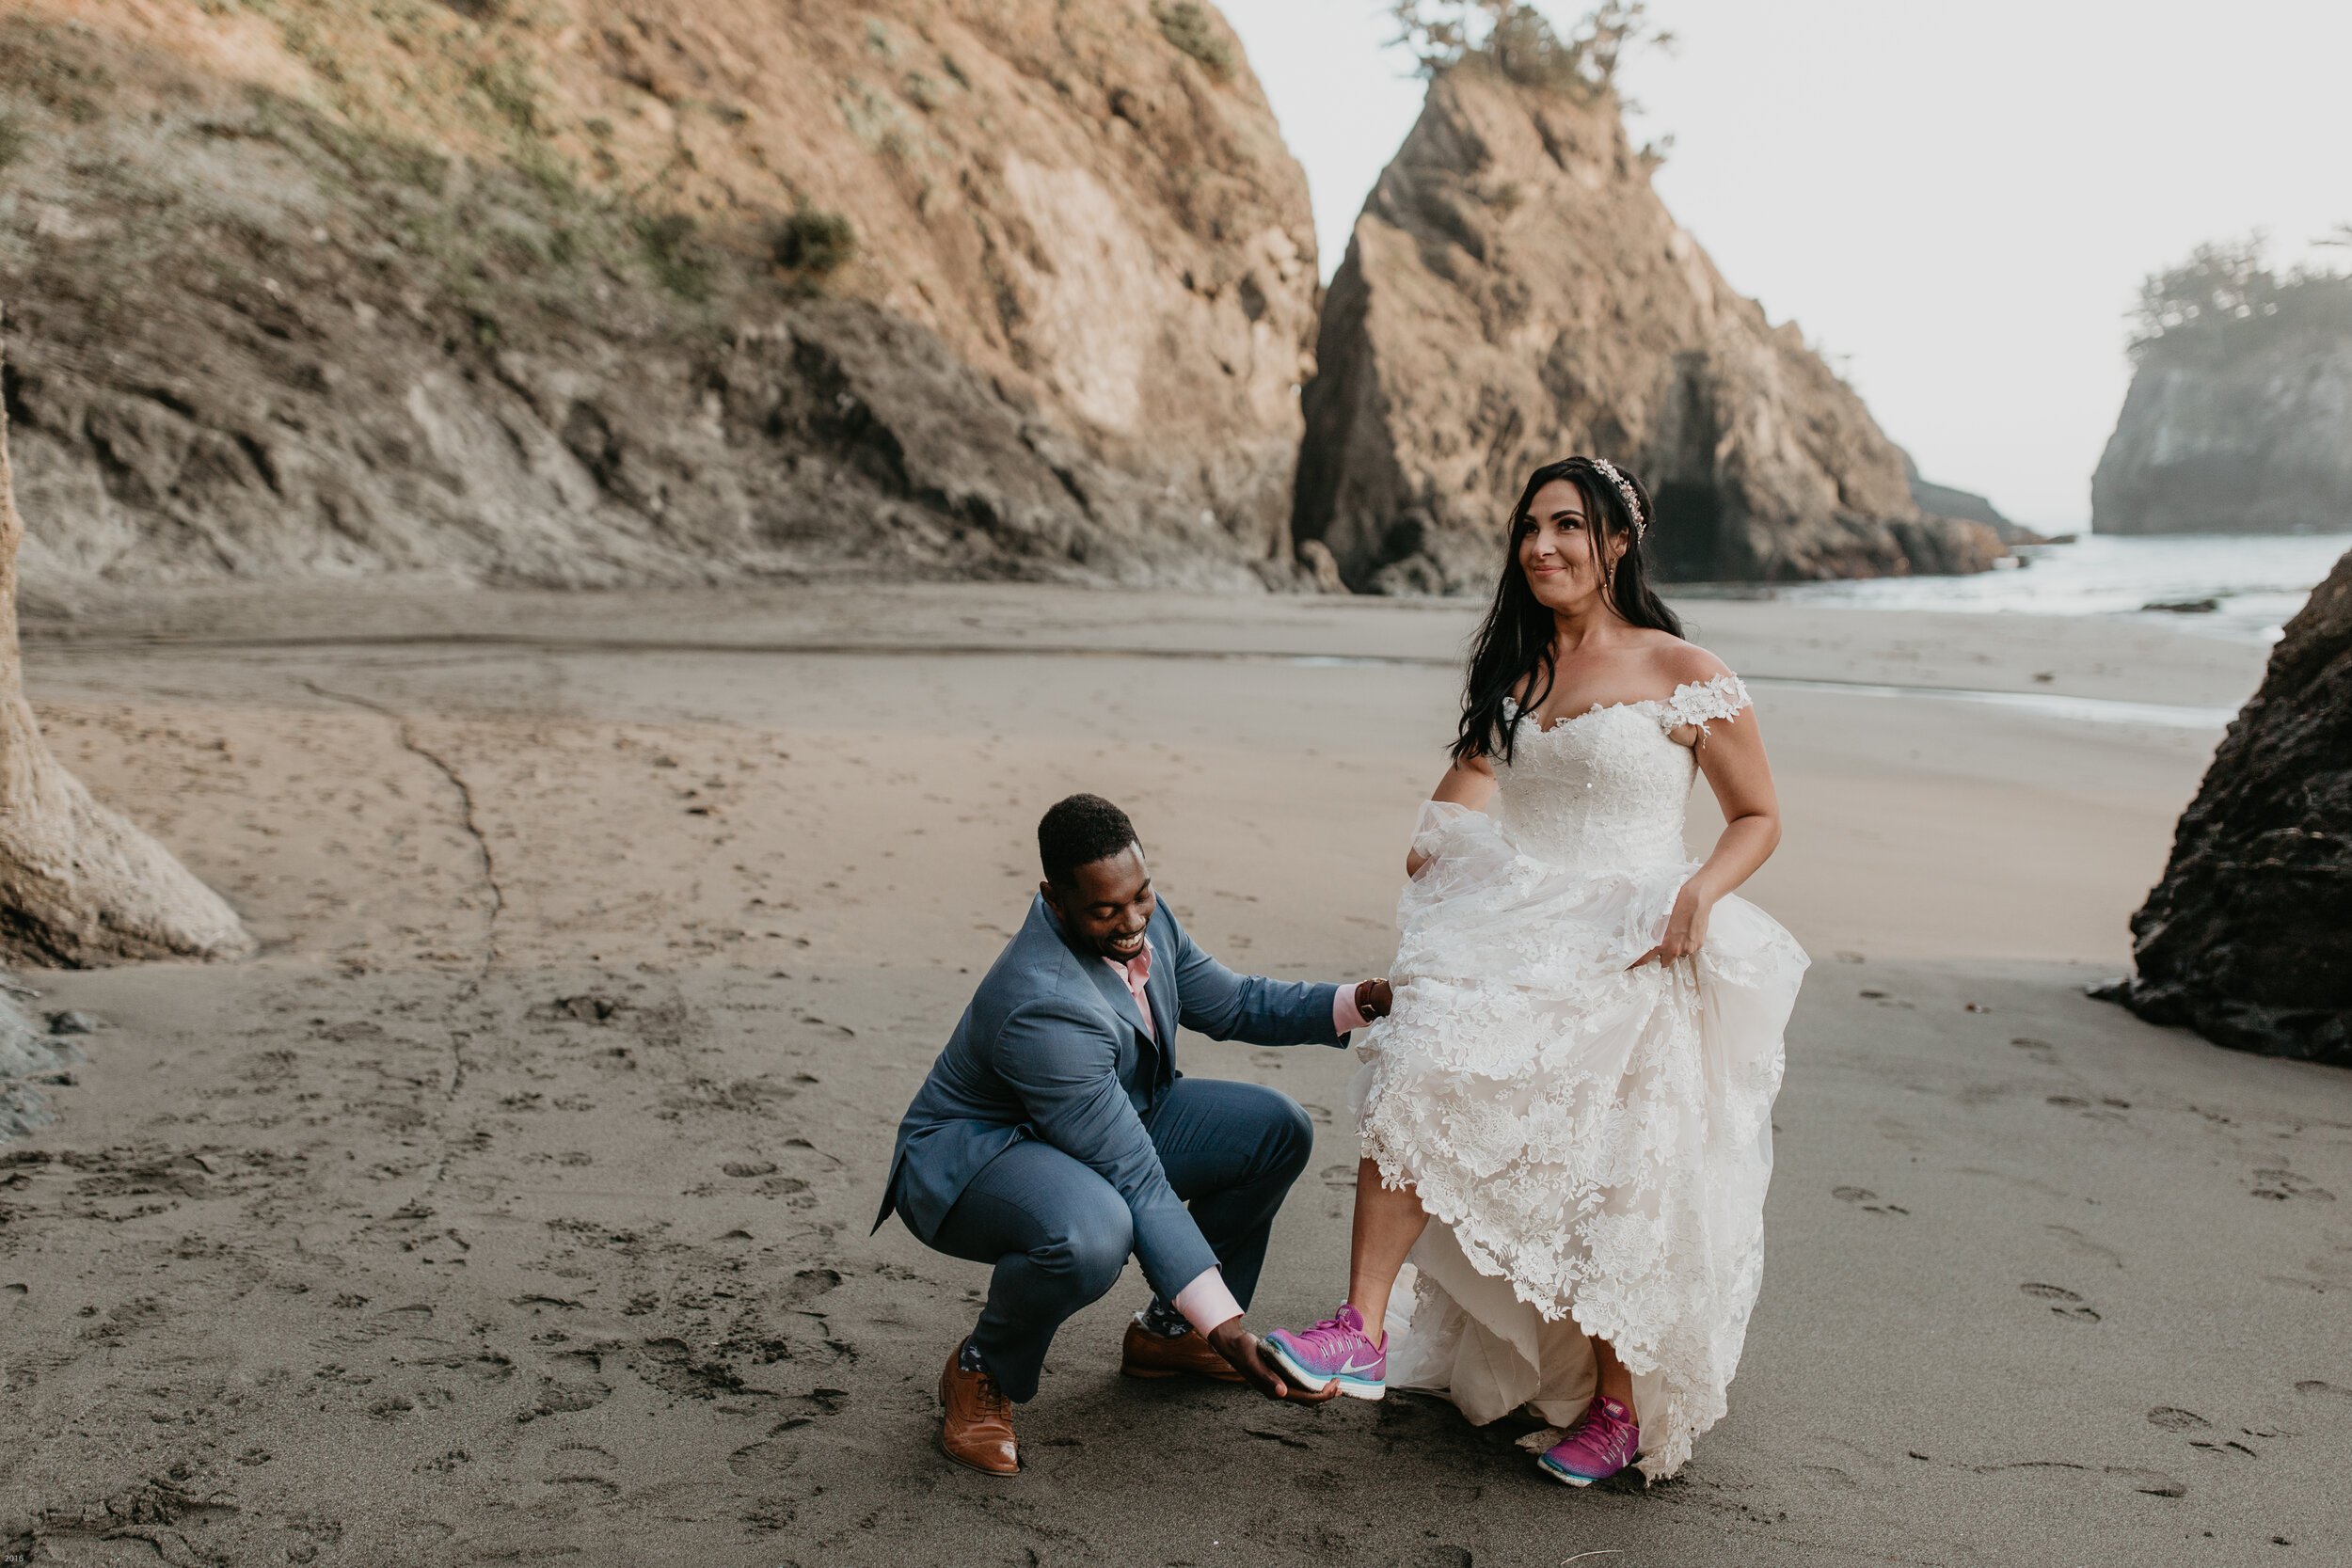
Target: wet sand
<point>514,1202</point>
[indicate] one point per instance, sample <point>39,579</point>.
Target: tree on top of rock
<point>1516,38</point>
<point>78,884</point>
<point>2226,298</point>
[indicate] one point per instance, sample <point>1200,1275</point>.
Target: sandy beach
<point>513,1204</point>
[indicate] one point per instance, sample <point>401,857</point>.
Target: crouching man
<point>1054,1135</point>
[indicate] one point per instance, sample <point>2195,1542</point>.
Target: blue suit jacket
<point>1052,1047</point>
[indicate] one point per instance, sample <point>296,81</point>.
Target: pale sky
<point>1958,202</point>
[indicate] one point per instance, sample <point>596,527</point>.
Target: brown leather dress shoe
<point>1148,1354</point>
<point>977,1428</point>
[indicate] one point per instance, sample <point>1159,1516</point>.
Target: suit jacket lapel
<point>1115,991</point>
<point>1107,979</point>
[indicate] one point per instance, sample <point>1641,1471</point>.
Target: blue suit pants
<point>1058,1234</point>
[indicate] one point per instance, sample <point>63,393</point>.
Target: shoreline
<point>2093,709</point>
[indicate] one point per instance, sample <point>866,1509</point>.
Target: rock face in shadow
<point>1514,291</point>
<point>702,289</point>
<point>2248,938</point>
<point>2251,433</point>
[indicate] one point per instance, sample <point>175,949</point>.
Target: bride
<point>1575,1081</point>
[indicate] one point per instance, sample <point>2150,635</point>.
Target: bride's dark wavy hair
<point>1514,642</point>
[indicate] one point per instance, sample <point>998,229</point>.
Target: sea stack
<point>690,292</point>
<point>2236,424</point>
<point>2248,939</point>
<point>1514,291</point>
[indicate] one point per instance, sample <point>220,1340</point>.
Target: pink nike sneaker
<point>1336,1349</point>
<point>1602,1442</point>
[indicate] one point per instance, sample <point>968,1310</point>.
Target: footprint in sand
<point>2224,1449</point>
<point>2154,1483</point>
<point>771,1514</point>
<point>2082,1244</point>
<point>2172,1419</point>
<point>2065,1302</point>
<point>2280,1185</point>
<point>558,1398</point>
<point>2150,1483</point>
<point>1831,1476</point>
<point>1867,1199</point>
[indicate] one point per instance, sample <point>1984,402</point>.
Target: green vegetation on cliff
<point>1515,39</point>
<point>2226,299</point>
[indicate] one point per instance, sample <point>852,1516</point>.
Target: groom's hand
<point>1240,1349</point>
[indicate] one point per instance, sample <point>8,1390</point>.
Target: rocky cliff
<point>1513,292</point>
<point>2248,938</point>
<point>670,290</point>
<point>2248,433</point>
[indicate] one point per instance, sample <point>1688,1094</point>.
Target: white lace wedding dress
<point>1591,1141</point>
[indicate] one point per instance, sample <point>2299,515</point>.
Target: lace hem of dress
<point>1694,1394</point>
<point>1623,1257</point>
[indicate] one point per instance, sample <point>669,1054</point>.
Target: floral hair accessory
<point>1632,505</point>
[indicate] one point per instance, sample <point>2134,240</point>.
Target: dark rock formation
<point>1514,291</point>
<point>2248,938</point>
<point>2239,426</point>
<point>566,295</point>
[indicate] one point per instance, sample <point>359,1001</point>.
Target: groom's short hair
<point>1078,831</point>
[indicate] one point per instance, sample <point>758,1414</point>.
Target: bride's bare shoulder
<point>1678,664</point>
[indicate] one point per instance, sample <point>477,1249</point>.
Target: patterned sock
<point>1163,1320</point>
<point>968,1359</point>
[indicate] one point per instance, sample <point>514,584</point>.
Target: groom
<point>1055,1136</point>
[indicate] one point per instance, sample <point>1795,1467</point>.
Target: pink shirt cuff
<point>1206,1303</point>
<point>1344,1017</point>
